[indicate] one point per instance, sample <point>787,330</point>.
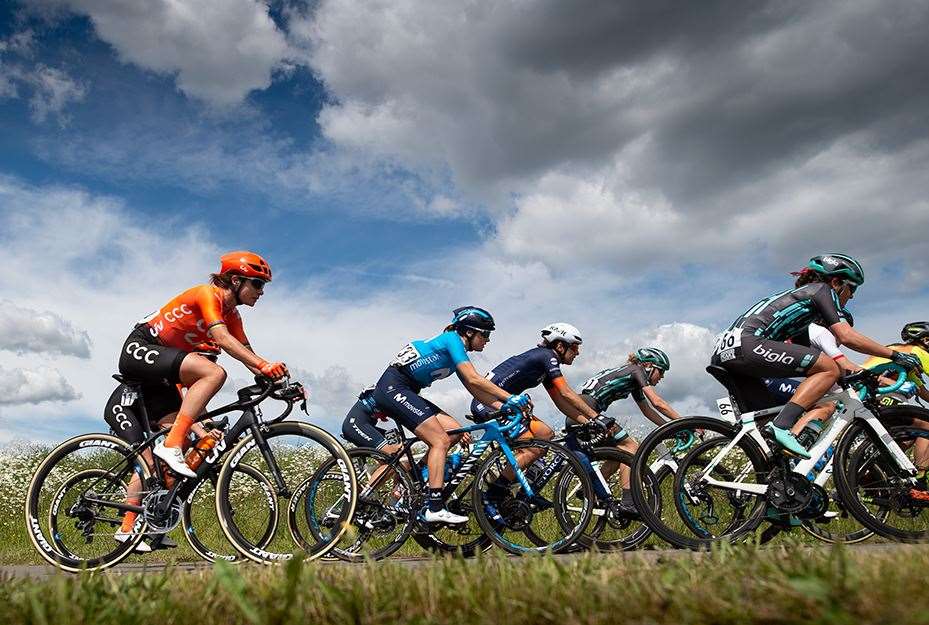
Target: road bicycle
<point>729,483</point>
<point>522,517</point>
<point>80,489</point>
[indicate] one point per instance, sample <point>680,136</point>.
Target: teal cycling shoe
<point>788,441</point>
<point>775,516</point>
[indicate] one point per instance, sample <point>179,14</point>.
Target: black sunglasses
<point>852,287</point>
<point>258,283</point>
<point>484,333</point>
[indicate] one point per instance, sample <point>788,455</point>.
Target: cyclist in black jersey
<point>645,369</point>
<point>755,347</point>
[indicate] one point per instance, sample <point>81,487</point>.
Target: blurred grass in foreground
<point>731,585</point>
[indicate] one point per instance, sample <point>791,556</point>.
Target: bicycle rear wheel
<point>609,529</point>
<point>73,489</point>
<point>288,455</point>
<point>383,520</point>
<point>520,524</point>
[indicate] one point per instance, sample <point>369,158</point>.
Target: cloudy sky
<point>644,171</point>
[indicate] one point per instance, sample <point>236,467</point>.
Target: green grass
<point>732,585</point>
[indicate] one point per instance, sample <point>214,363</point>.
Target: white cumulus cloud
<point>219,50</point>
<point>33,386</point>
<point>24,330</point>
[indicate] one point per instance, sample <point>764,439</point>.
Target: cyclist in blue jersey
<point>417,366</point>
<point>754,347</point>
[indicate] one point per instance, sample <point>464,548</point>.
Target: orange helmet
<point>243,263</point>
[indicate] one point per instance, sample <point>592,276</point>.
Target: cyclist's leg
<point>203,379</point>
<point>821,411</point>
<point>526,456</point>
<point>820,377</point>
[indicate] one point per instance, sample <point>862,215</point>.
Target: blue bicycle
<point>514,508</point>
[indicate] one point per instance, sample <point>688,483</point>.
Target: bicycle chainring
<point>161,521</point>
<point>788,491</point>
<point>819,503</point>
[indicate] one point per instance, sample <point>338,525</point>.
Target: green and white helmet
<point>654,356</point>
<point>838,266</point>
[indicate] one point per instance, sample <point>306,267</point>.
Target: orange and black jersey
<point>185,320</point>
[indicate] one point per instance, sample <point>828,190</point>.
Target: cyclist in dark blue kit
<point>421,363</point>
<point>755,346</point>
<point>560,345</point>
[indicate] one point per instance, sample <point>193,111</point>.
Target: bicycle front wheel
<point>201,525</point>
<point>673,517</point>
<point>543,522</point>
<point>874,488</point>
<point>287,454</point>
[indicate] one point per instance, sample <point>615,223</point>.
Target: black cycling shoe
<point>625,508</point>
<point>160,541</point>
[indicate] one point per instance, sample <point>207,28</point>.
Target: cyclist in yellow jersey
<point>915,337</point>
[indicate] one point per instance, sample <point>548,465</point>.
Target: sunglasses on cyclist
<point>484,333</point>
<point>852,287</point>
<point>258,283</point>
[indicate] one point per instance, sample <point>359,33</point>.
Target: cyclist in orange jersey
<point>178,344</point>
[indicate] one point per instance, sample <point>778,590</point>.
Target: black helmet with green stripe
<point>838,266</point>
<point>915,332</point>
<point>654,356</point>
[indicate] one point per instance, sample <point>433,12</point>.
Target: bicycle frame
<point>851,408</point>
<point>248,421</point>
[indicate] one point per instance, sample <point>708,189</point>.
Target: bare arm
<point>657,403</point>
<point>480,387</point>
<point>847,335</point>
<point>231,345</point>
<point>569,402</point>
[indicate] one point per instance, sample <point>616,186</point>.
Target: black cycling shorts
<point>358,428</point>
<point>762,358</point>
<point>123,410</point>
<point>145,359</point>
<point>398,396</point>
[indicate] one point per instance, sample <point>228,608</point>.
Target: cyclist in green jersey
<point>638,377</point>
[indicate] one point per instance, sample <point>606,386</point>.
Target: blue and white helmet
<point>561,332</point>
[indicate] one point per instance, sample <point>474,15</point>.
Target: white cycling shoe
<point>443,516</point>
<point>121,537</point>
<point>174,456</point>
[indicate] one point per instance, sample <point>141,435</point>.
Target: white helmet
<point>561,332</point>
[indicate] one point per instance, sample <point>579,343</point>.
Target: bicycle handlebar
<point>869,381</point>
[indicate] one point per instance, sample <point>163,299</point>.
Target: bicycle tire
<point>600,523</point>
<point>195,538</point>
<point>32,509</point>
<point>489,469</point>
<point>882,478</point>
<point>281,548</point>
<point>659,438</point>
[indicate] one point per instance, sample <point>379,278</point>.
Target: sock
<point>129,519</point>
<point>434,499</point>
<point>179,431</point>
<point>788,415</point>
